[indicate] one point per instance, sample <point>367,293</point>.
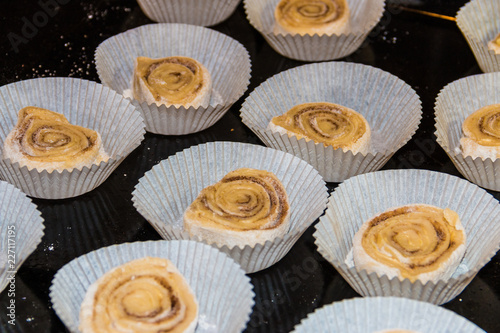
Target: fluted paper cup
<point>21,230</point>
<point>454,103</point>
<point>361,197</point>
<point>478,20</point>
<point>166,191</point>
<point>364,16</point>
<point>84,103</point>
<point>225,58</point>
<point>377,314</point>
<point>223,291</point>
<point>196,12</point>
<point>383,99</point>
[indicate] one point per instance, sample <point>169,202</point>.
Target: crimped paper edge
<point>458,283</point>
<point>269,247</point>
<point>151,245</point>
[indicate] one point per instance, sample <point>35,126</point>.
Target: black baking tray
<point>416,40</point>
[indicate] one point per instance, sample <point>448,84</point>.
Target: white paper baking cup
<point>225,58</point>
<point>383,99</point>
<point>364,15</point>
<point>454,103</point>
<point>196,12</point>
<point>21,230</point>
<point>478,20</point>
<point>223,291</point>
<point>166,191</point>
<point>361,197</point>
<point>84,103</point>
<point>373,314</point>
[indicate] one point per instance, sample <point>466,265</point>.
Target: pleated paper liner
<point>383,99</point>
<point>376,314</point>
<point>166,191</point>
<point>361,197</point>
<point>21,230</point>
<point>84,103</point>
<point>479,23</point>
<point>364,15</point>
<point>225,58</point>
<point>196,12</point>
<point>223,292</point>
<point>454,103</point>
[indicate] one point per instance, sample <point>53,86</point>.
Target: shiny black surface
<point>425,51</point>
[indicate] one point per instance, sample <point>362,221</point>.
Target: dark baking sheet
<point>426,51</point>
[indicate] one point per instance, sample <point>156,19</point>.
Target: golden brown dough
<point>147,295</point>
<point>481,132</point>
<point>45,140</point>
<point>494,44</point>
<point>311,17</point>
<point>417,241</point>
<point>246,207</point>
<point>328,123</point>
<point>178,81</point>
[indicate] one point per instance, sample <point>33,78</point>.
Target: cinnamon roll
<point>418,241</point>
<point>311,17</point>
<point>494,44</point>
<point>144,295</point>
<point>481,132</point>
<point>246,207</point>
<point>172,81</point>
<point>45,140</point>
<point>328,123</point>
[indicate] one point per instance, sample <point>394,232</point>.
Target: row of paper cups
<point>477,20</point>
<point>374,192</point>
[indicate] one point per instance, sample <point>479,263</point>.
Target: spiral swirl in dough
<point>419,241</point>
<point>45,140</point>
<point>147,295</point>
<point>172,81</point>
<point>481,132</point>
<point>311,17</point>
<point>246,207</point>
<point>327,123</point>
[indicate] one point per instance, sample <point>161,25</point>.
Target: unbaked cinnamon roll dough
<point>147,295</point>
<point>177,81</point>
<point>309,17</point>
<point>246,207</point>
<point>45,140</point>
<point>481,132</point>
<point>328,123</point>
<point>494,44</point>
<point>417,241</point>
